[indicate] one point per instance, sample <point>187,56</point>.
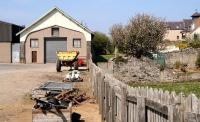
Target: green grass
<point>185,87</point>
<point>102,58</point>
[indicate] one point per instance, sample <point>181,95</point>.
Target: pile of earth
<point>142,70</point>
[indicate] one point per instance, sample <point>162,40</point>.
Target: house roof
<point>10,23</point>
<point>196,14</point>
<point>180,25</point>
<point>187,22</point>
<point>175,25</point>
<point>63,13</point>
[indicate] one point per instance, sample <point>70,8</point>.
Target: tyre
<point>58,65</point>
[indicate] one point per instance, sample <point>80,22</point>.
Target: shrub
<point>182,45</point>
<point>177,64</point>
<point>198,61</point>
<point>195,44</point>
<point>101,44</point>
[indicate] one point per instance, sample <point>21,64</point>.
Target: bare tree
<point>118,37</point>
<point>142,34</point>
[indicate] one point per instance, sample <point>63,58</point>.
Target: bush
<point>182,45</point>
<point>195,44</point>
<point>101,44</point>
<point>102,58</point>
<point>198,61</point>
<point>177,64</point>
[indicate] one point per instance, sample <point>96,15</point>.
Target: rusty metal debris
<point>74,96</point>
<point>49,104</point>
<point>57,95</point>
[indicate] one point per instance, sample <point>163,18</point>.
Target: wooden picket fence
<point>119,102</point>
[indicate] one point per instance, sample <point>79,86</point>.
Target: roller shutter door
<point>53,45</point>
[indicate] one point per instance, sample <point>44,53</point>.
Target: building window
<point>177,37</point>
<point>183,35</point>
<point>77,43</point>
<point>55,32</point>
<point>34,43</point>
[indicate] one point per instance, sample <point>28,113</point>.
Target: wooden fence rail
<point>119,102</point>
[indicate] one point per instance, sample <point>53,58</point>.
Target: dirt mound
<point>142,70</point>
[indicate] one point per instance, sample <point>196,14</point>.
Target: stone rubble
<point>142,70</point>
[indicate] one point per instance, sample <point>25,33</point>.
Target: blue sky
<point>98,15</point>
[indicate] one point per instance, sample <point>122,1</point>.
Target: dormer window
<point>55,32</point>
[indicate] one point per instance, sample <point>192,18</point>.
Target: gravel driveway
<point>16,83</point>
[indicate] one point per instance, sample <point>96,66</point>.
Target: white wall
<point>197,31</point>
<point>172,35</point>
<point>55,18</point>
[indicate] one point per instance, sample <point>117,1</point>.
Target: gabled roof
<point>66,15</point>
<point>175,25</point>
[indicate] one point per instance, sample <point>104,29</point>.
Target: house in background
<point>9,42</point>
<point>178,30</point>
<point>55,31</point>
<point>195,25</point>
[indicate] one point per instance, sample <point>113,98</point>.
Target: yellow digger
<point>68,58</point>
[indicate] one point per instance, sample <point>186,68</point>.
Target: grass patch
<point>185,87</point>
<point>102,58</point>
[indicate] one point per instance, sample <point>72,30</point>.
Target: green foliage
<point>102,58</point>
<point>184,87</point>
<point>177,65</point>
<point>101,44</point>
<point>195,44</point>
<point>110,48</point>
<point>198,61</point>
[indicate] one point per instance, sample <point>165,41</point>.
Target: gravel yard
<point>16,83</point>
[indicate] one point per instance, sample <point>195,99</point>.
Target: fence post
<point>141,109</point>
<point>113,105</point>
<point>103,98</point>
<point>107,102</point>
<point>124,105</point>
<point>174,114</point>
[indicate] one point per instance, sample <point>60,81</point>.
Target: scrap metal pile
<point>74,96</point>
<point>57,95</point>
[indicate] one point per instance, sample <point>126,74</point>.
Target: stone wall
<point>187,56</point>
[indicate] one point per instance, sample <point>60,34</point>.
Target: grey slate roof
<point>180,25</point>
